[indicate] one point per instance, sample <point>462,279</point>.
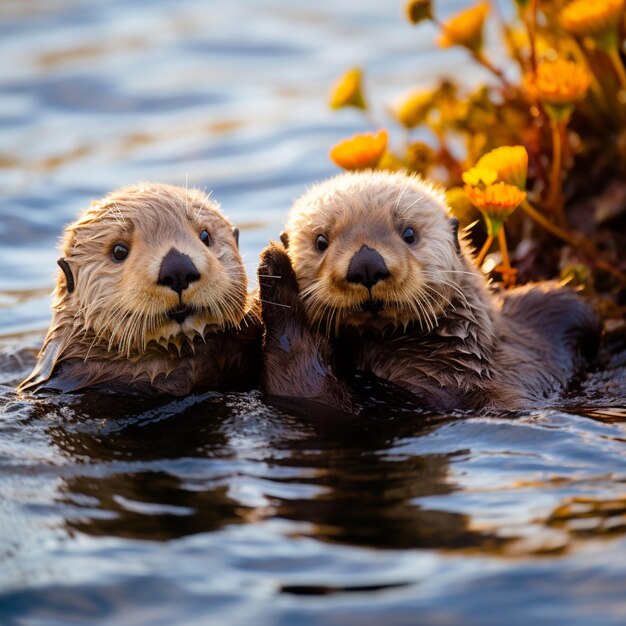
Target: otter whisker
<point>423,318</point>
<point>436,296</point>
<point>451,285</point>
<point>417,201</point>
<point>447,271</point>
<point>429,302</point>
<point>287,306</point>
<point>399,197</point>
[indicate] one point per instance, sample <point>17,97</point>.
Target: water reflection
<point>170,469</point>
<point>590,516</point>
<point>247,486</point>
<point>218,509</point>
<point>370,495</point>
<point>152,506</point>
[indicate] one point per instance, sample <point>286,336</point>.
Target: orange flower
<point>348,91</point>
<point>510,163</point>
<point>465,28</point>
<point>361,152</point>
<point>598,19</point>
<point>559,85</point>
<point>413,108</point>
<point>495,202</point>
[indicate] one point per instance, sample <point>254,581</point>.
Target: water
<point>224,509</point>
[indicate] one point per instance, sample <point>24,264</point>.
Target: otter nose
<point>367,267</point>
<point>177,271</point>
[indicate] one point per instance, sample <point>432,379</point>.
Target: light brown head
<point>148,265</point>
<point>375,251</point>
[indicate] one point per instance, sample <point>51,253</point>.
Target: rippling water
<point>223,509</point>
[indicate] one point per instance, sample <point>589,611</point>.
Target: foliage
<point>547,134</point>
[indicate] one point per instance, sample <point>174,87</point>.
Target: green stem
<point>551,227</point>
<point>618,66</point>
<point>486,63</point>
<point>554,200</point>
<point>575,240</point>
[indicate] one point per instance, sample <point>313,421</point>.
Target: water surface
<point>225,509</point>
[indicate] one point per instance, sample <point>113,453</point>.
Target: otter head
<point>374,251</point>
<point>148,265</point>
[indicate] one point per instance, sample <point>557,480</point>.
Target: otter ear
<point>284,237</point>
<point>236,235</point>
<point>454,224</point>
<point>69,277</point>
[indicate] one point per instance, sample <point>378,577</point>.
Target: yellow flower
<point>480,176</point>
<point>413,108</point>
<point>465,28</point>
<point>559,85</point>
<point>363,151</point>
<point>495,202</point>
<point>348,91</point>
<point>460,206</point>
<point>510,163</point>
<point>598,19</point>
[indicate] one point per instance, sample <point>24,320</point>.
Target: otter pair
<point>373,276</point>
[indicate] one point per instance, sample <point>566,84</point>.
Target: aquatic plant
<point>546,134</point>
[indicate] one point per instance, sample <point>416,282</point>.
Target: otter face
<point>151,263</point>
<point>374,251</point>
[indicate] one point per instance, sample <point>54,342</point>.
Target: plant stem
<point>551,227</point>
<point>618,66</point>
<point>508,273</point>
<point>575,240</point>
<point>486,63</point>
<point>555,201</point>
<point>531,25</point>
<point>483,251</point>
<point>504,249</point>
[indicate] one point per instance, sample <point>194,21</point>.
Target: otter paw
<point>278,286</point>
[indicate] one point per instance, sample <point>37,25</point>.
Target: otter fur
<point>151,298</point>
<point>375,278</point>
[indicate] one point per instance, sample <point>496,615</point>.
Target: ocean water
<point>224,508</point>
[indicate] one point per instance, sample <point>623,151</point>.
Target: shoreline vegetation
<point>534,166</point>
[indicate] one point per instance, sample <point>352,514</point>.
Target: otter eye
<point>321,243</point>
<point>119,252</point>
<point>205,238</point>
<point>409,236</point>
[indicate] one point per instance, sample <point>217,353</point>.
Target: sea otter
<point>151,298</point>
<point>375,277</point>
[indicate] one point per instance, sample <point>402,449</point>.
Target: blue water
<point>224,509</point>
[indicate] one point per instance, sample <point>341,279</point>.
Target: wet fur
<point>110,325</point>
<point>444,334</point>
<point>296,361</point>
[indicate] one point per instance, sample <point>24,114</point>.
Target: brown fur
<point>438,330</point>
<point>113,329</point>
